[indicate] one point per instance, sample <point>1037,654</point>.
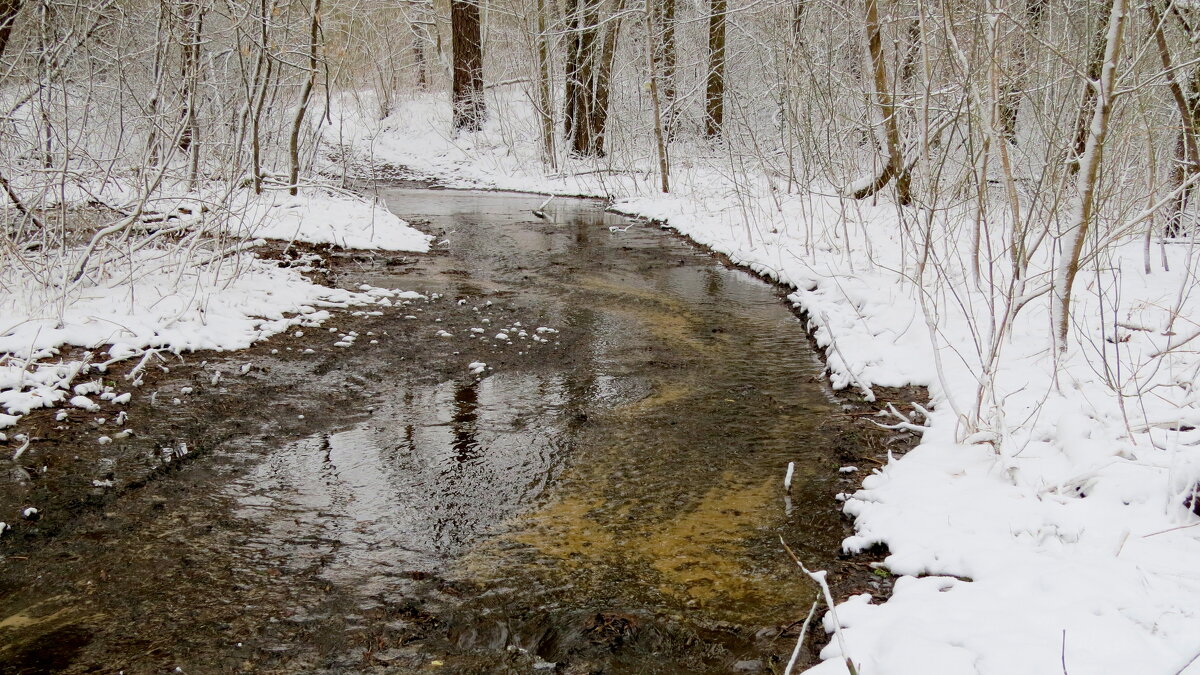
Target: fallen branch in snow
<point>507,83</point>
<point>274,183</point>
<point>1176,344</point>
<point>136,370</point>
<point>21,450</point>
<point>1188,664</point>
<point>1172,423</point>
<point>12,196</point>
<point>983,436</point>
<point>819,578</point>
<point>905,422</point>
<point>910,154</point>
<point>866,390</point>
<point>800,640</point>
<point>1129,325</point>
<point>1078,482</point>
<point>1171,529</point>
<point>630,171</point>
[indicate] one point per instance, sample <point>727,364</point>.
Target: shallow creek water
<point>609,500</point>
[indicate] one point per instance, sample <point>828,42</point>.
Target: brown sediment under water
<point>609,499</point>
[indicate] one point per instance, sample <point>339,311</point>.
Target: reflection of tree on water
<point>464,425</point>
<point>714,283</point>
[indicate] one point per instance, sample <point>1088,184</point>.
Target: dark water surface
<point>609,500</point>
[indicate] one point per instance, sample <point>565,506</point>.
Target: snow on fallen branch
<point>819,578</point>
<point>863,387</point>
<point>906,422</point>
<point>800,640</point>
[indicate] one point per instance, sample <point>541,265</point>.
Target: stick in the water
<point>787,480</point>
<point>539,212</point>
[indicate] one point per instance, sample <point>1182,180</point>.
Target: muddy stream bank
<point>603,495</point>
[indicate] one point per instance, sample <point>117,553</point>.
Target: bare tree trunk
<point>305,94</point>
<point>189,50</point>
<point>1087,174</point>
<point>419,59</point>
<point>545,104</point>
<point>1189,164</point>
<point>574,64</point>
<point>195,32</point>
<point>652,61</point>
<point>46,134</point>
<point>894,168</point>
<point>1014,89</point>
<point>998,137</point>
<point>908,66</point>
<point>469,108</point>
<point>662,42</point>
<point>714,93</point>
<point>1187,103</point>
<point>603,82</point>
<point>1095,64</point>
<point>789,101</point>
<point>160,55</point>
<point>263,69</point>
<point>256,127</point>
<point>425,46</point>
<point>8,16</point>
<point>582,81</point>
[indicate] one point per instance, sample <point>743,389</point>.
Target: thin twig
<point>800,640</point>
<point>819,578</point>
<point>12,195</point>
<point>1063,654</point>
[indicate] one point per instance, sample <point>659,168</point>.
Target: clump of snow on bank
<point>1043,523</point>
<point>322,216</point>
<point>168,304</point>
<point>317,215</point>
<point>182,298</point>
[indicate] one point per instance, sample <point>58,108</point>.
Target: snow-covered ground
<point>325,217</point>
<point>1043,524</point>
<point>205,291</point>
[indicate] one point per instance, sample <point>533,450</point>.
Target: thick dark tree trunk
<point>584,120</point>
<point>8,15</point>
<point>714,97</point>
<point>470,110</point>
<point>603,83</point>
